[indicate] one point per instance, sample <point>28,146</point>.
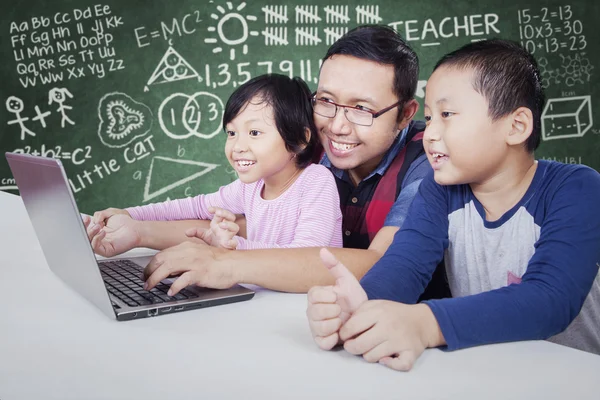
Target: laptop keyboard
<point>123,280</point>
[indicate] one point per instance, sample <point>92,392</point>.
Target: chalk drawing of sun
<point>232,29</point>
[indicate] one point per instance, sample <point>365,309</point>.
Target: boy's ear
<point>408,112</point>
<point>521,126</point>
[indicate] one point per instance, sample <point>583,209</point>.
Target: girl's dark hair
<point>290,100</point>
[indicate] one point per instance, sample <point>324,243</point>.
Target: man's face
<point>352,81</point>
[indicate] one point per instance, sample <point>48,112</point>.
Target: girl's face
<point>255,148</point>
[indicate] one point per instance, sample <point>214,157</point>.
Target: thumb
<point>336,268</point>
<point>199,233</point>
<point>191,232</point>
<point>349,291</point>
<point>195,232</point>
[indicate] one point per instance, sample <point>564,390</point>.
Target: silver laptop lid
<point>45,190</point>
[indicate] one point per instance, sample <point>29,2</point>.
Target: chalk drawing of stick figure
<point>15,105</point>
<point>59,95</point>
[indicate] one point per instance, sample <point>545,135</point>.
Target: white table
<point>56,345</point>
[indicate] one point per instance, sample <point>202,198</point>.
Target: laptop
<point>113,285</point>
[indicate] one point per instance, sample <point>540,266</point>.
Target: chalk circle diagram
<point>181,116</point>
<point>172,67</point>
<point>122,119</point>
<point>185,171</point>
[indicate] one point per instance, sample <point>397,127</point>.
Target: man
<point>363,108</point>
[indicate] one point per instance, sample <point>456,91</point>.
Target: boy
<point>363,111</point>
<point>521,237</point>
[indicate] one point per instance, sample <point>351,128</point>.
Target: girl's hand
<point>222,232</point>
<point>116,233</point>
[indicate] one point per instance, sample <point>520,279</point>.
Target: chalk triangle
<point>172,67</point>
<point>161,171</point>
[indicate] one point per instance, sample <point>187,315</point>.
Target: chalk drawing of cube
<point>567,117</point>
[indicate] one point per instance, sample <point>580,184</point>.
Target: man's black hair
<point>383,45</point>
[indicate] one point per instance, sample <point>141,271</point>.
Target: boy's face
<point>352,81</point>
<point>463,144</point>
<point>254,147</point>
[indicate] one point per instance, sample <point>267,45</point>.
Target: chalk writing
<point>77,156</point>
<point>551,29</point>
<point>181,116</point>
<point>66,46</point>
<point>430,31</point>
<point>103,169</point>
<point>186,26</point>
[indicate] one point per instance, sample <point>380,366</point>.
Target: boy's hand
<point>115,234</point>
<point>391,333</point>
<point>222,230</point>
<point>330,306</point>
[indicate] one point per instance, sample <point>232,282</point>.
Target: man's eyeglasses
<point>356,115</point>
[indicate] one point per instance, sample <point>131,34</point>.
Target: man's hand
<point>194,263</point>
<point>222,232</point>
<point>113,233</point>
<point>329,307</point>
<point>391,333</point>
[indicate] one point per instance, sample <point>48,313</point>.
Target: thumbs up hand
<point>329,307</point>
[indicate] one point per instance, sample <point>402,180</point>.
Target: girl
<point>287,200</point>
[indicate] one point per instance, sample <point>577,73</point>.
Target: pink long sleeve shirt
<point>306,215</point>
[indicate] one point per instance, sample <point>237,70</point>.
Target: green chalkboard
<point>130,94</point>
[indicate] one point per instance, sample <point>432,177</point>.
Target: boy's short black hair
<point>507,75</point>
<point>383,45</point>
<point>290,100</point>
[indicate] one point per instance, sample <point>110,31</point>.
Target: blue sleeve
<point>557,281</point>
<point>406,267</point>
<point>410,185</point>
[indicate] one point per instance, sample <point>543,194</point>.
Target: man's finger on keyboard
<point>158,269</point>
<point>180,283</point>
